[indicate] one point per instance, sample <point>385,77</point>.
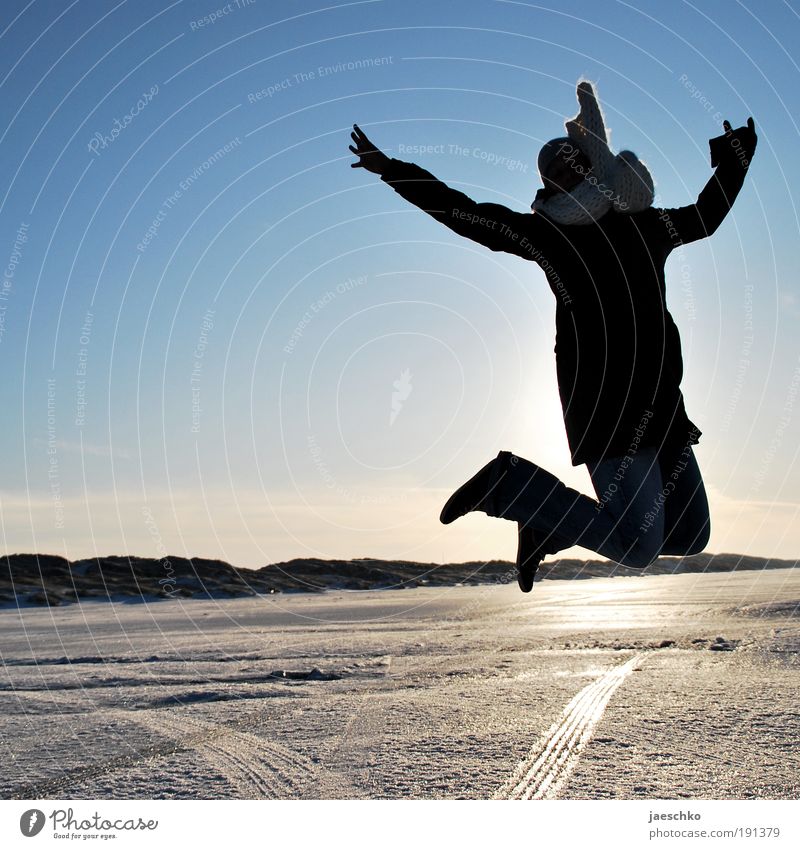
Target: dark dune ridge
<point>44,579</point>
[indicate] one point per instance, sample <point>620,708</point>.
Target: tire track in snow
<point>258,768</point>
<point>332,779</point>
<point>545,770</point>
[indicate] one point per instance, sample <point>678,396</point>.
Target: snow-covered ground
<point>662,687</point>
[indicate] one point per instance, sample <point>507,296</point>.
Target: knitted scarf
<point>620,182</point>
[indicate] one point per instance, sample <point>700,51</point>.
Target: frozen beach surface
<point>659,687</point>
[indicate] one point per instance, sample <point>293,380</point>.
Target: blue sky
<point>205,311</point>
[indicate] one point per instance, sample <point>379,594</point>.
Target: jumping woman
<point>602,244</point>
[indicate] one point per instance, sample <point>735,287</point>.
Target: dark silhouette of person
<point>602,244</point>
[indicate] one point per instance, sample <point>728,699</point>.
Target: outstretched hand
<point>741,141</point>
<point>369,156</point>
<point>747,134</point>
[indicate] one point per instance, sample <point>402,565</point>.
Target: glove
<point>736,145</point>
<point>588,131</point>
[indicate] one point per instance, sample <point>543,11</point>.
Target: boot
<point>532,547</point>
<point>525,491</point>
<point>477,492</point>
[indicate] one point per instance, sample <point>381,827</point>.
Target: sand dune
<point>45,579</point>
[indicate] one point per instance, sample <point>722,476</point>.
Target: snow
<point>655,687</point>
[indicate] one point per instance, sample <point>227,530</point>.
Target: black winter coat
<point>618,351</point>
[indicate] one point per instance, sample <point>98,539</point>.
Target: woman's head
<point>562,164</point>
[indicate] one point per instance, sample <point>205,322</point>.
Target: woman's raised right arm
<point>490,224</point>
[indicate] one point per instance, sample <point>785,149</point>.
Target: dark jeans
<point>648,504</point>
